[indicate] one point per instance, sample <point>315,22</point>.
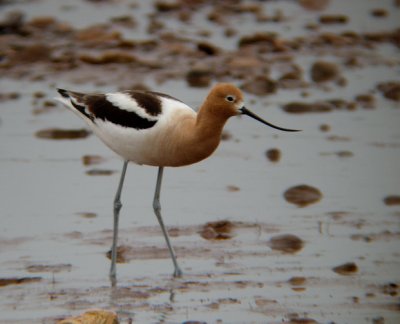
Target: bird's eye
<point>230,98</point>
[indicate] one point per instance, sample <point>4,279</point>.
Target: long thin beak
<point>247,112</point>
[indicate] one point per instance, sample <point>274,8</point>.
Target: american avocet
<point>156,129</point>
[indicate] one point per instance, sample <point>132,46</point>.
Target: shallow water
<point>56,219</point>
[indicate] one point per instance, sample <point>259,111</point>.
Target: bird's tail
<point>74,101</point>
<point>63,93</point>
<point>65,98</point>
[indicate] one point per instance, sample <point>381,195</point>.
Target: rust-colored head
<point>224,100</point>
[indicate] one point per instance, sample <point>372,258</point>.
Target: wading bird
<point>156,129</point>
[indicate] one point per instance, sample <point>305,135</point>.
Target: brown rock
<point>232,188</point>
<point>108,57</point>
<point>42,22</point>
<point>390,90</point>
<point>92,159</point>
<point>13,23</point>
<point>229,32</point>
<point>53,268</point>
<point>88,215</point>
<point>366,100</point>
<point>324,128</point>
<point>391,289</point>
<point>9,96</point>
<point>219,230</point>
<point>97,35</point>
<point>346,269</point>
<point>292,78</point>
<point>302,107</point>
<point>303,195</point>
<point>226,135</point>
<point>379,12</point>
<point>344,154</point>
<point>297,281</point>
<point>166,6</point>
<point>122,253</point>
<point>126,21</point>
<point>95,316</point>
<point>31,54</point>
<point>60,134</point>
<point>18,280</point>
<point>267,38</point>
<point>301,320</point>
<point>392,200</point>
<point>314,4</point>
<point>287,243</point>
<point>274,155</point>
<point>199,77</point>
<point>244,63</point>
<point>322,71</point>
<point>333,19</point>
<point>260,86</point>
<point>39,95</point>
<point>100,172</point>
<point>208,48</point>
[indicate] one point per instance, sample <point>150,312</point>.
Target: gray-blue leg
<point>157,211</point>
<point>117,208</point>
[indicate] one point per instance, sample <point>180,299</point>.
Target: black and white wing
<point>132,109</point>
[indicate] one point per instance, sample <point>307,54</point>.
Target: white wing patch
<point>125,102</point>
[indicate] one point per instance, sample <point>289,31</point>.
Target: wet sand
<point>274,227</point>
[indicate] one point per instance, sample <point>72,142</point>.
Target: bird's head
<point>226,100</point>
